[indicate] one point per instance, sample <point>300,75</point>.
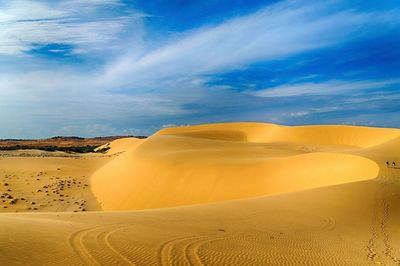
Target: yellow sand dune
<point>330,135</point>
<point>356,223</point>
<point>120,145</point>
<point>209,163</point>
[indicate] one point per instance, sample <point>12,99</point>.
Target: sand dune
<point>209,163</point>
<point>343,208</point>
<point>330,135</point>
<point>120,145</point>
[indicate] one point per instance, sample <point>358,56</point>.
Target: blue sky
<point>114,67</point>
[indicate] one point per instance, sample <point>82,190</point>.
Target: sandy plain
<point>220,194</point>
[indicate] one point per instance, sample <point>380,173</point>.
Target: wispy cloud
<point>277,31</point>
<point>323,88</point>
<point>27,23</point>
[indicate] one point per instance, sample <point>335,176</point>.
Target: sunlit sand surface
<point>223,194</point>
<point>212,163</point>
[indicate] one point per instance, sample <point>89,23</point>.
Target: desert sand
<point>220,194</point>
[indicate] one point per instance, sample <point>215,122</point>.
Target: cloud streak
<point>275,32</point>
<point>329,87</point>
<point>25,24</point>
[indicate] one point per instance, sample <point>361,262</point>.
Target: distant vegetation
<point>77,149</point>
<point>60,143</point>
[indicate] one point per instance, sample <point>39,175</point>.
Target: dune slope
<point>120,145</point>
<point>210,163</point>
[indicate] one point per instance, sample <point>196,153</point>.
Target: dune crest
<point>211,163</point>
<point>120,145</point>
<point>352,136</point>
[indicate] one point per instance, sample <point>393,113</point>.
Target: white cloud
<point>322,88</point>
<point>311,111</point>
<point>91,130</point>
<point>168,125</point>
<point>69,98</point>
<point>276,31</point>
<point>299,114</point>
<point>24,23</point>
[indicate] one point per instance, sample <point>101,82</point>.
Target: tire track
<point>165,255</point>
<point>181,250</point>
<point>101,236</point>
<point>191,251</point>
<point>106,242</point>
<point>76,242</point>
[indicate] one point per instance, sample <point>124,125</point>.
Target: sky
<point>115,67</point>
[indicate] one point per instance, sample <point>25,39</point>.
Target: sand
<point>119,146</point>
<point>210,163</point>
<point>37,181</point>
<point>258,198</point>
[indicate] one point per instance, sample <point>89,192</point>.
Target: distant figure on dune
<point>394,164</point>
<point>387,164</point>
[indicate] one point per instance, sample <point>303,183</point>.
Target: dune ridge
<point>217,162</point>
<point>120,145</point>
<point>342,135</point>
